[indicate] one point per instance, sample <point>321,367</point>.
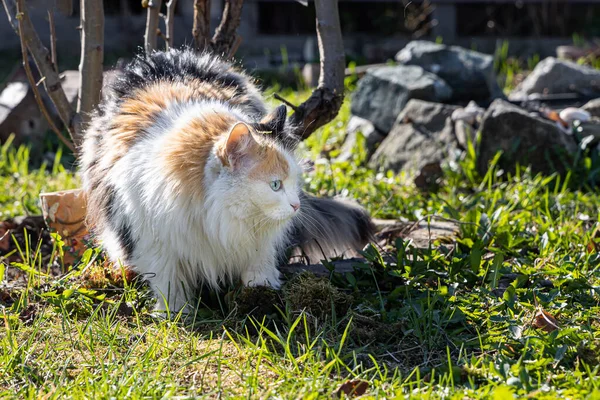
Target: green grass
<point>456,320</point>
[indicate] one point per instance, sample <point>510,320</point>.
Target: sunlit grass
<point>451,321</point>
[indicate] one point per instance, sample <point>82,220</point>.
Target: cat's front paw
<point>262,278</point>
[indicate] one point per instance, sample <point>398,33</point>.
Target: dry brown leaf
<point>352,388</point>
<point>593,246</point>
<point>545,321</point>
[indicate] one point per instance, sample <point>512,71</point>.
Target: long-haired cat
<point>189,181</point>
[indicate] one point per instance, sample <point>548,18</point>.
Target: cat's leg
<point>168,285</point>
<point>262,271</point>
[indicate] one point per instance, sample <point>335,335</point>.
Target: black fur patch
<point>123,230</point>
<point>126,240</point>
<point>177,65</point>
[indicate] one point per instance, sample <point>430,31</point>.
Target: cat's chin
<point>283,218</point>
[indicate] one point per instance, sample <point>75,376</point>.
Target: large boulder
<point>423,135</point>
<point>523,138</point>
<point>470,74</point>
<point>384,91</point>
<point>554,76</point>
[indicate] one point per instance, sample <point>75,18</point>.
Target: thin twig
<point>10,11</point>
<point>152,26</point>
<point>170,22</point>
<point>234,47</point>
<point>286,102</point>
<point>36,93</point>
<point>52,39</point>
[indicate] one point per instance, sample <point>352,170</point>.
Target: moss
<point>256,302</point>
<point>316,296</point>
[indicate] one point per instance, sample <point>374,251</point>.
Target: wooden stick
<point>286,102</point>
<point>36,93</point>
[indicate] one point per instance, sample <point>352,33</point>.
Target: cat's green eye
<point>276,185</point>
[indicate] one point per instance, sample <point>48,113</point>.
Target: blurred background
<point>275,32</point>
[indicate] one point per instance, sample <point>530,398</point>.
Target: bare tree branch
<point>201,29</point>
<point>38,97</point>
<point>41,56</point>
<point>151,35</point>
<point>225,36</point>
<point>11,10</point>
<point>170,22</point>
<point>325,102</point>
<point>92,57</point>
<point>52,39</point>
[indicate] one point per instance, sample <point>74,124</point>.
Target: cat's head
<point>266,174</point>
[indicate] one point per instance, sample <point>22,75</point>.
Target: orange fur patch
<point>141,110</point>
<point>185,155</point>
<point>272,164</point>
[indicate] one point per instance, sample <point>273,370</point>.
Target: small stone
<point>572,114</point>
<point>593,107</point>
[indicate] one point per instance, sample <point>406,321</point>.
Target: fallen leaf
<point>593,246</point>
<point>545,321</point>
<point>352,388</point>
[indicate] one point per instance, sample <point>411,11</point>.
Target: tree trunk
<point>92,58</point>
<point>201,29</point>
<point>225,35</point>
<point>325,101</point>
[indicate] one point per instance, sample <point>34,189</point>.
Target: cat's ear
<point>239,143</point>
<point>275,120</point>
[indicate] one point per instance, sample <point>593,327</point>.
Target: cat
<point>190,181</point>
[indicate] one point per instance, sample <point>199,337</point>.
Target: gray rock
<point>470,74</point>
<point>372,137</point>
<point>383,92</point>
<point>593,107</point>
<point>523,138</point>
<point>423,135</point>
<point>554,76</point>
<point>20,115</point>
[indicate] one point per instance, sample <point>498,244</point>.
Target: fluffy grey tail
<point>329,228</point>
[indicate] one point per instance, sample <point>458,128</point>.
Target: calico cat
<point>189,181</point>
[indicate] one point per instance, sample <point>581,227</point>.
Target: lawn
<point>508,309</point>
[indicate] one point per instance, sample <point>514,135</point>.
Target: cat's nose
<point>295,206</point>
